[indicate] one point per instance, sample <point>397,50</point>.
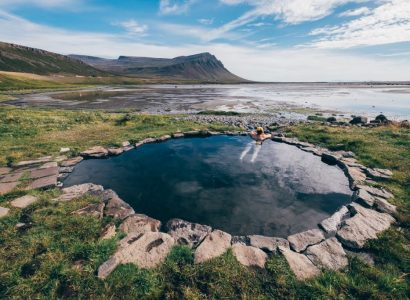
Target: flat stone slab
<point>186,233</point>
<point>215,244</point>
<point>300,241</point>
<point>4,211</point>
<point>266,243</point>
<point>115,206</point>
<point>379,173</point>
<point>96,152</point>
<point>177,135</point>
<point>363,226</point>
<point>34,161</point>
<point>363,197</point>
<point>95,210</point>
<point>332,224</point>
<point>77,191</point>
<point>7,187</point>
<point>249,256</point>
<point>24,201</point>
<point>145,250</point>
<point>355,175</point>
<point>379,192</point>
<point>328,254</point>
<point>300,265</point>
<point>43,172</point>
<point>11,177</point>
<point>139,223</point>
<point>115,151</point>
<point>50,164</point>
<point>43,183</point>
<point>71,162</point>
<point>145,141</point>
<point>383,205</point>
<point>66,169</point>
<point>5,170</point>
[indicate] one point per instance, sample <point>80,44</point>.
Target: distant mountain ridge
<point>17,58</point>
<point>199,67</point>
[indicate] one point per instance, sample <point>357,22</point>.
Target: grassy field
<point>58,257</point>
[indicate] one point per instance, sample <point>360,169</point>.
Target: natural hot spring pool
<point>282,191</point>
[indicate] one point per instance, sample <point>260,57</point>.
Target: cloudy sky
<point>268,40</point>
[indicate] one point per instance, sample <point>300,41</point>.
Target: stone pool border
<point>324,247</point>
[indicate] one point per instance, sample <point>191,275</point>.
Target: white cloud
<point>388,23</point>
<point>249,62</point>
<point>206,21</point>
<point>355,12</point>
<point>133,27</point>
<point>175,7</point>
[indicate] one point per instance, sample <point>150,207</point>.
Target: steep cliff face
<point>16,58</point>
<point>200,67</point>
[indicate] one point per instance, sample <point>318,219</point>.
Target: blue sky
<point>272,40</point>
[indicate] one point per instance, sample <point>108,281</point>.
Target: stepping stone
<point>39,173</point>
<point>215,244</point>
<point>139,223</point>
<point>115,206</point>
<point>332,224</point>
<point>186,233</point>
<point>11,177</point>
<point>4,170</point>
<point>71,162</point>
<point>363,226</point>
<point>43,183</point>
<point>300,265</point>
<point>24,201</point>
<point>8,187</point>
<point>249,256</point>
<point>328,254</point>
<point>145,250</point>
<point>77,191</point>
<point>300,241</point>
<point>95,152</point>
<point>109,231</point>
<point>35,161</point>
<point>266,243</point>
<point>4,211</point>
<point>95,210</point>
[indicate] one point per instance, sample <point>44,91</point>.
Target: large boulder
<point>266,243</point>
<point>358,120</point>
<point>332,224</point>
<point>363,226</point>
<point>77,191</point>
<point>215,244</point>
<point>139,223</point>
<point>249,256</point>
<point>301,266</point>
<point>115,206</point>
<point>186,233</point>
<point>145,250</point>
<point>328,254</point>
<point>95,152</point>
<point>300,241</point>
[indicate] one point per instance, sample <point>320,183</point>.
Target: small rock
<point>108,232</point>
<point>65,150</point>
<point>186,233</point>
<point>384,206</point>
<point>115,151</point>
<point>331,119</point>
<point>145,250</point>
<point>95,210</point>
<point>300,241</point>
<point>379,192</point>
<point>363,226</point>
<point>24,201</point>
<point>328,254</point>
<point>331,224</point>
<point>381,119</point>
<point>139,223</point>
<point>266,243</point>
<point>379,173</point>
<point>4,211</point>
<point>95,152</point>
<point>126,144</point>
<point>145,141</point>
<point>23,226</point>
<point>66,169</point>
<point>164,138</point>
<point>249,256</point>
<point>115,206</point>
<point>363,197</point>
<point>359,120</point>
<point>192,133</point>
<point>71,162</point>
<point>301,266</point>
<point>177,135</point>
<point>215,244</point>
<point>77,191</point>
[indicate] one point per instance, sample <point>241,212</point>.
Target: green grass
<point>58,257</point>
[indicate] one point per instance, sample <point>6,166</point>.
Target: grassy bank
<point>58,257</point>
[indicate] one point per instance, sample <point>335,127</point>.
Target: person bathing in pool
<point>259,136</point>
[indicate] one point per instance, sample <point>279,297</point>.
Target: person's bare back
<point>259,136</point>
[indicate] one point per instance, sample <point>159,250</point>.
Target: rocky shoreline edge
<point>326,247</point>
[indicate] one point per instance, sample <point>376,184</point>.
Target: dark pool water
<point>275,189</point>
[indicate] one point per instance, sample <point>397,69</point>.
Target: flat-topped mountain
<point>199,67</point>
<point>16,58</point>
